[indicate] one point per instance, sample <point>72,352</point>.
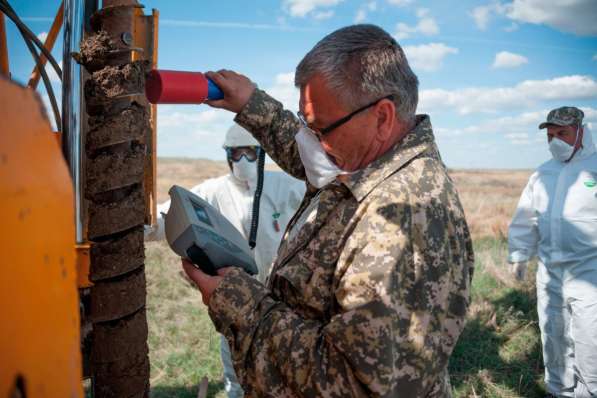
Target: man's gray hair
<point>360,64</point>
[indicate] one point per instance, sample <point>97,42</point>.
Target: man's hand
<point>519,270</point>
<point>237,90</point>
<point>206,283</point>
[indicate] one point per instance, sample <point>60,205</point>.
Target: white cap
<point>238,136</point>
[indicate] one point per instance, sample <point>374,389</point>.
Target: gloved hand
<point>519,270</point>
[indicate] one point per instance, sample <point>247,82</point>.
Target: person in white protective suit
<point>556,220</point>
<point>232,195</point>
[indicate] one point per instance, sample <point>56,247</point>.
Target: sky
<point>489,70</point>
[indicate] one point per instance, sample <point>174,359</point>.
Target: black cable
<point>36,58</point>
<point>257,199</point>
<point>10,13</point>
<point>47,84</point>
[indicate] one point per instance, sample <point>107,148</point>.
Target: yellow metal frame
<point>145,36</point>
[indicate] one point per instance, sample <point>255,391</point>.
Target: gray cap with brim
<point>564,116</point>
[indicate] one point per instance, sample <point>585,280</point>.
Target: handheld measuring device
<point>198,232</point>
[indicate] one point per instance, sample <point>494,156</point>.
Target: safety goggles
<point>236,153</point>
<point>319,133</point>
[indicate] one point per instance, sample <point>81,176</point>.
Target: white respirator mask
<point>319,168</point>
<point>245,170</point>
<point>562,151</point>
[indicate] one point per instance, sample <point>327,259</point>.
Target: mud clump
<point>95,51</point>
<point>116,81</point>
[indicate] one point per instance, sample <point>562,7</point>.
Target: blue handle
<point>213,91</point>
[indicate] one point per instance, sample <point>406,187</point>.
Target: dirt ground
<point>489,197</point>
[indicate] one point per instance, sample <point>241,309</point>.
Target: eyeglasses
<point>321,132</point>
<point>236,153</point>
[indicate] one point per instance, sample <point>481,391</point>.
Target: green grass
<point>184,346</point>
<point>498,354</point>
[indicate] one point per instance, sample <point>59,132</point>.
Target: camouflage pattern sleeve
<point>274,127</point>
<point>277,353</point>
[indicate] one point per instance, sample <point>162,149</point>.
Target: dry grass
<point>489,198</point>
<point>186,172</point>
<point>498,354</point>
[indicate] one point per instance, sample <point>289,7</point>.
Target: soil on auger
<point>114,170</point>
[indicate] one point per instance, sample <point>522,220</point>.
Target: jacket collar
<point>415,142</point>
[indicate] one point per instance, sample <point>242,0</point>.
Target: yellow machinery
<point>72,285</point>
<point>39,333</point>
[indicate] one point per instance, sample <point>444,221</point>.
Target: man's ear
<point>385,111</point>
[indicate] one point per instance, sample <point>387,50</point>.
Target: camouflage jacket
<point>369,296</point>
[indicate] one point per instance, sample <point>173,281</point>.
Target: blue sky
<point>489,70</point>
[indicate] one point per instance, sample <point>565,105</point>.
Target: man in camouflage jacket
<point>370,288</point>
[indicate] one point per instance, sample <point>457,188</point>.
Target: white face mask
<point>562,151</point>
<point>319,168</point>
<point>245,170</point>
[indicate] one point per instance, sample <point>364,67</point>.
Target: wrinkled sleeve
<point>523,235</point>
<point>275,128</point>
<point>387,339</point>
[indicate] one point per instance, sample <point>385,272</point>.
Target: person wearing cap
<point>232,194</point>
<point>556,221</point>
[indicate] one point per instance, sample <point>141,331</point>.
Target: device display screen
<point>201,214</point>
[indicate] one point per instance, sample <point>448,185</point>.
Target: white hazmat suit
<point>232,195</point>
<point>556,220</point>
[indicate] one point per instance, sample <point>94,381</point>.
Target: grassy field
<point>498,355</point>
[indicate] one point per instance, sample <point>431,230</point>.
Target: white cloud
<point>505,59</point>
<point>362,12</point>
<point>426,25</point>
<point>525,94</point>
<point>176,116</point>
<point>192,131</point>
<point>518,129</point>
<point>185,23</point>
<point>48,106</point>
<point>482,14</point>
<point>573,16</point>
<point>518,138</point>
<point>42,36</point>
<point>51,72</point>
<point>321,15</point>
<point>300,8</point>
<point>428,57</point>
<point>400,3</point>
<point>595,57</point>
<point>284,91</point>
<point>361,16</point>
